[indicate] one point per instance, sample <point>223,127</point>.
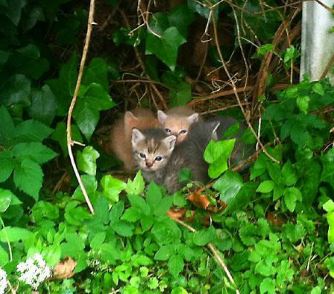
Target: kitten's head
<point>142,121</point>
<point>151,148</point>
<point>177,125</point>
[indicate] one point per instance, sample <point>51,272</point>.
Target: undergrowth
<point>270,221</point>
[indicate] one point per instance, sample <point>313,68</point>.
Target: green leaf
<point>7,165</point>
<point>91,101</point>
<point>87,160</point>
<point>5,199</point>
<point>216,154</point>
<point>13,10</point>
<point>4,258</point>
<point>267,286</point>
<point>328,206</point>
<point>318,88</point>
<point>32,131</point>
<point>247,234</point>
<point>96,72</point>
<point>303,103</point>
<point>28,177</point>
<point>9,131</point>
<point>265,187</point>
<point>112,187</point>
<point>135,186</point>
<point>140,260</point>
<point>43,105</point>
<point>264,49</point>
<point>203,237</point>
<point>16,91</point>
<point>163,253</point>
<point>123,228</point>
<point>132,215</point>
<point>175,265</point>
<point>166,232</point>
<point>288,174</point>
<point>35,151</point>
<point>153,195</point>
<point>14,234</point>
<point>228,186</point>
<point>166,47</point>
<point>327,174</point>
<point>86,118</point>
<point>139,203</point>
<point>291,196</point>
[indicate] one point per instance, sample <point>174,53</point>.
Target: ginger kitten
<point>121,133</point>
<point>177,121</point>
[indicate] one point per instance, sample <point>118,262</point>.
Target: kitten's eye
<point>183,132</point>
<point>142,155</point>
<point>158,158</point>
<point>168,131</point>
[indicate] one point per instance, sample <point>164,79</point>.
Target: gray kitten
<point>161,161</point>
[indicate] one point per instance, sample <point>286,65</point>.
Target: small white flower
<point>34,271</point>
<point>3,281</point>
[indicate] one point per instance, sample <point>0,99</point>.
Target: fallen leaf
<point>199,200</point>
<point>64,269</point>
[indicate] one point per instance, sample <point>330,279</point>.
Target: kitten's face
<point>177,125</point>
<point>151,154</point>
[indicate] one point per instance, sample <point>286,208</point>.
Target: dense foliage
<point>273,223</point>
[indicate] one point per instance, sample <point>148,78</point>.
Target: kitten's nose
<point>149,163</point>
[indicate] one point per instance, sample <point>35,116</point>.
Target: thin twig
<point>74,99</point>
<point>215,253</point>
<point>237,95</point>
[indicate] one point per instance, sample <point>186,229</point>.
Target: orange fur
<point>121,133</point>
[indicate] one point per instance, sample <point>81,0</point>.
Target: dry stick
<point>237,95</point>
<point>215,253</point>
<point>74,99</point>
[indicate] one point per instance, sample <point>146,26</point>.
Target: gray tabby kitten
<point>161,161</point>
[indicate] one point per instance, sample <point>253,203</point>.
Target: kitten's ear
<point>214,134</point>
<point>137,136</point>
<point>162,116</point>
<point>170,142</point>
<point>130,118</point>
<point>193,118</point>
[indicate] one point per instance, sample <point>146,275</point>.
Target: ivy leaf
<point>7,165</point>
<point>28,177</point>
<point>175,265</point>
<point>35,151</point>
<point>87,160</point>
<point>265,187</point>
<point>96,72</point>
<point>91,101</point>
<point>13,10</point>
<point>228,186</point>
<point>112,187</point>
<point>166,47</point>
<point>9,131</point>
<point>16,90</point>
<point>135,186</point>
<point>43,105</point>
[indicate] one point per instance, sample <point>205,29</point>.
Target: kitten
<point>151,151</point>
<point>177,121</point>
<point>121,133</point>
<point>161,161</point>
